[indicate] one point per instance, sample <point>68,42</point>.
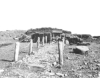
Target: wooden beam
<point>67,42</point>
<point>60,36</point>
<point>50,37</point>
<point>63,40</point>
<point>53,35</point>
<point>31,46</point>
<point>60,50</point>
<point>43,40</point>
<point>17,46</point>
<point>46,39</point>
<point>38,42</point>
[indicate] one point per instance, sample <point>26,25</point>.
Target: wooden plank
<point>63,40</point>
<point>46,39</point>
<point>60,50</point>
<point>43,40</point>
<point>31,46</point>
<point>17,46</point>
<point>38,42</point>
<point>50,37</point>
<point>66,42</point>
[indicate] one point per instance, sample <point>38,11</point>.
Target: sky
<point>77,16</point>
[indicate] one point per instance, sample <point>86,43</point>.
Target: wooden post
<point>38,42</point>
<point>17,46</point>
<point>60,50</point>
<point>50,37</point>
<point>53,36</point>
<point>46,39</point>
<point>67,42</point>
<point>63,40</point>
<point>31,46</point>
<point>60,36</point>
<point>43,40</point>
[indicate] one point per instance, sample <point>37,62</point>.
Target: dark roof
<point>45,30</point>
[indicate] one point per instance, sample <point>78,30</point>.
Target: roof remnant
<point>46,30</point>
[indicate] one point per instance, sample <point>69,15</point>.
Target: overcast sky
<point>78,16</point>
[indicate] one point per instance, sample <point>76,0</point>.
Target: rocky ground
<point>37,65</point>
<point>42,63</point>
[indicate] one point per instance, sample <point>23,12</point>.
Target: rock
<point>1,70</point>
<point>60,74</point>
<point>83,48</point>
<point>98,75</point>
<point>32,75</point>
<point>50,73</point>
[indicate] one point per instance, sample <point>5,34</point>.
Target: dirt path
<point>7,52</point>
<point>40,61</point>
<point>39,65</point>
<point>46,53</point>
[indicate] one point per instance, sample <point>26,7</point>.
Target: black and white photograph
<point>49,38</point>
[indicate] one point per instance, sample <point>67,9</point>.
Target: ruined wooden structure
<point>46,37</point>
<point>60,52</point>
<point>42,37</point>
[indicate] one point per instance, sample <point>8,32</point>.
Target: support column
<point>50,37</point>
<point>63,40</point>
<point>53,35</point>
<point>46,39</point>
<point>31,46</point>
<point>38,42</point>
<point>67,42</point>
<point>17,46</point>
<point>60,36</point>
<point>43,40</point>
<point>60,50</point>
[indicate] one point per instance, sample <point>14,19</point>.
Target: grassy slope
<point>9,35</point>
<point>7,45</point>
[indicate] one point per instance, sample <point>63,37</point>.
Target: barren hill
<point>10,34</point>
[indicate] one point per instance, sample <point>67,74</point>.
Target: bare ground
<point>75,65</point>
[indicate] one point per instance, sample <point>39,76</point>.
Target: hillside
<point>10,34</point>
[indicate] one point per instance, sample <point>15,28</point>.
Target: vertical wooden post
<point>50,37</point>
<point>60,49</point>
<point>38,42</point>
<point>67,42</point>
<point>63,40</point>
<point>60,36</point>
<point>31,46</point>
<point>17,46</point>
<point>43,40</point>
<point>53,36</point>
<point>46,39</point>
